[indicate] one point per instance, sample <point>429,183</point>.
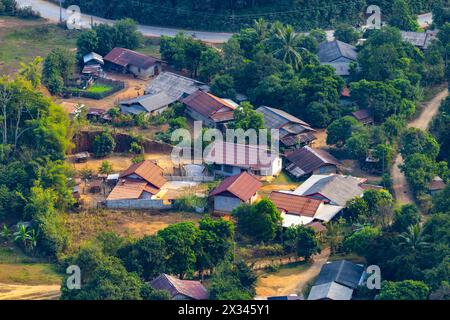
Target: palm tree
<point>262,29</point>
<point>413,239</point>
<point>287,51</point>
<point>33,239</point>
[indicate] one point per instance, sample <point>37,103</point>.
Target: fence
<point>115,87</point>
<point>190,179</point>
<point>138,204</point>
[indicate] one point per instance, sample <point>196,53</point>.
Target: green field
<point>99,88</point>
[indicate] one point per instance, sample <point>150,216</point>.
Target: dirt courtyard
<point>133,88</point>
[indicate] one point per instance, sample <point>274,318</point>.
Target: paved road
<point>400,185</point>
<point>51,12</point>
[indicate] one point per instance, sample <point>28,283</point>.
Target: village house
<point>420,40</point>
<point>93,65</point>
<point>339,55</point>
<point>302,210</point>
<point>180,289</point>
<point>364,116</point>
<point>293,131</point>
<point>436,185</point>
<point>137,187</point>
<point>234,191</point>
<point>335,189</point>
<point>213,111</point>
<point>166,89</point>
<point>306,161</point>
<point>129,61</point>
<point>337,281</point>
<point>229,159</point>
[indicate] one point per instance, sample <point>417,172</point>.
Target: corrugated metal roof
<point>240,155</point>
<point>362,114</point>
<point>150,102</point>
<point>331,51</point>
<point>337,188</point>
<point>206,104</point>
<point>437,184</point>
<point>295,204</point>
<point>276,118</point>
<point>93,56</point>
<point>308,159</point>
<point>147,170</point>
<point>303,138</point>
<point>125,57</point>
<point>190,288</point>
<point>243,186</point>
<point>344,272</point>
<point>127,190</point>
<point>174,85</point>
<point>331,291</point>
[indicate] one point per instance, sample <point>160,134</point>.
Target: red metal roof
<point>124,57</point>
<point>243,186</point>
<point>147,170</point>
<point>295,204</point>
<point>190,288</point>
<point>206,104</point>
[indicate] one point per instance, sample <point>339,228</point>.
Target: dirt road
<point>23,292</point>
<point>401,188</point>
<point>290,281</point>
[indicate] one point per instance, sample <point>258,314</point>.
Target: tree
<point>87,41</point>
<point>32,71</point>
<point>127,34</point>
<point>413,238</point>
<point>357,209</point>
<point>286,47</point>
<point>415,140</point>
<point>341,129</point>
<point>215,243</point>
<point>420,170</point>
<point>346,33</point>
<point>319,35</point>
<point>103,144</point>
<point>58,69</point>
<point>301,240</point>
<point>402,18</point>
<point>233,282</point>
<point>359,240</point>
<point>222,85</point>
<point>407,216</point>
<point>261,221</point>
<point>146,257</point>
<point>105,168</point>
<point>246,117</point>
<point>103,278</point>
<point>211,63</point>
<point>357,145</point>
<point>404,290</point>
<point>180,241</point>
<point>335,235</point>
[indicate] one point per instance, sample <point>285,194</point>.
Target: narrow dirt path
<point>401,188</point>
<point>290,281</point>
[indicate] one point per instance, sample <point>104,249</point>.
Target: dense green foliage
<point>232,15</point>
<point>34,184</point>
<point>260,221</point>
<point>103,38</point>
<point>103,144</point>
<point>58,70</point>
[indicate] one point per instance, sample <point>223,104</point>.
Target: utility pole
<point>60,11</point>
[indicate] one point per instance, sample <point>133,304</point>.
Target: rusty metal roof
<point>295,204</point>
<point>124,57</point>
<point>190,288</point>
<point>243,186</point>
<point>147,170</point>
<point>362,114</point>
<point>127,189</point>
<point>206,104</point>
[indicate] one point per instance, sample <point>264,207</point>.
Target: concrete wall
<point>137,204</point>
<point>145,73</point>
<point>226,204</point>
<point>221,172</point>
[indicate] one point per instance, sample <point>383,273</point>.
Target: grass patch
<point>29,274</point>
<point>24,43</point>
<point>99,88</point>
<point>284,178</point>
<point>150,50</point>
